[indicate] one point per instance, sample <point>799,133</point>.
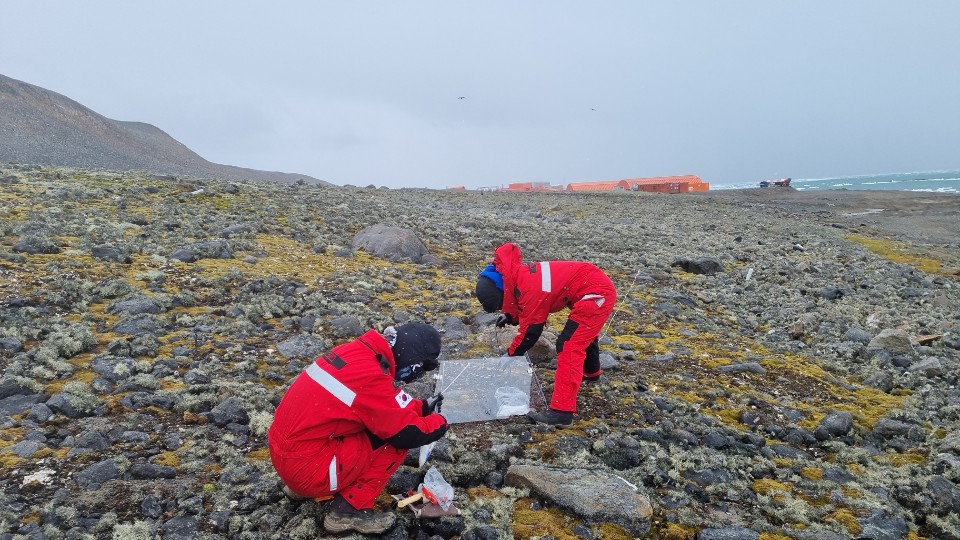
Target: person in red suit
<point>343,427</point>
<point>526,294</point>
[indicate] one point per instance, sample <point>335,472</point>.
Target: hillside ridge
<point>41,127</point>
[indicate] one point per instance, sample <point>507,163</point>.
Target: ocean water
<point>934,182</point>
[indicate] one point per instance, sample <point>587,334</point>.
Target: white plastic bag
<point>425,452</point>
<point>511,401</point>
<point>439,487</point>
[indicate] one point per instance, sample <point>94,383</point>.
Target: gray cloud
<point>554,91</point>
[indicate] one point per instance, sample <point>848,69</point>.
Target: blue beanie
<point>490,289</point>
<point>491,272</point>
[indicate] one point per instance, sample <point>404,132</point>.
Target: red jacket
<point>346,391</point>
<point>531,292</point>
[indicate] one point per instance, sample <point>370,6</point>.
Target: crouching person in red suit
<point>526,294</point>
<point>343,428</point>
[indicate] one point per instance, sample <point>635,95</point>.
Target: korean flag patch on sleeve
<point>403,399</point>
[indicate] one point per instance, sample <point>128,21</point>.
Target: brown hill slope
<point>38,126</point>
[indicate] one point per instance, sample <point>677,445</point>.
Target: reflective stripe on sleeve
<point>545,282</point>
<point>333,474</point>
<point>330,384</point>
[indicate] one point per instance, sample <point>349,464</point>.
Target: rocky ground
<point>780,364</point>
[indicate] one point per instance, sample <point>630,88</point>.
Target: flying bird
<point>462,97</point>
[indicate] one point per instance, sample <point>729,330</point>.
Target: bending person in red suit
<point>526,294</point>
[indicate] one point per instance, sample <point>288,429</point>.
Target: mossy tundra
<point>147,383</point>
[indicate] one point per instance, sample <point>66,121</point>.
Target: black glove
<point>503,319</point>
<point>432,404</point>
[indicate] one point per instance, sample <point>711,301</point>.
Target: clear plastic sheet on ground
<point>482,389</point>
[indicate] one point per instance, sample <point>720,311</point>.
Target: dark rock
<point>667,308</point>
<point>484,532</point>
<point>663,404</point>
<point>945,494</point>
<point>25,449</point>
<point>219,520</point>
<point>107,252</point>
<point>40,413</point>
<point>453,328</point>
<point>150,507</point>
<point>708,477</point>
<point>239,229</point>
<point>229,411</point>
<point>10,387</point>
<point>9,345</point>
<point>346,327</point>
<point>97,474</point>
<point>16,404</point>
<point>799,436</point>
<point>789,452</point>
<point>751,367</point>
<point>113,368</point>
<point>301,346</point>
<point>699,266</point>
<point>834,293</point>
<point>582,532</point>
<point>928,367</point>
<point>683,436</point>
<point>33,245</point>
<point>858,335</point>
<point>61,405</point>
<point>180,528</point>
<point>144,323</point>
<point>887,428</point>
<point>880,527</point>
<point>194,376</point>
<point>91,439</point>
<point>150,471</point>
<point>834,424</point>
<point>210,249</point>
<point>716,440</point>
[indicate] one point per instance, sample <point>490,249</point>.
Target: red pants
<point>349,466</point>
<point>583,326</point>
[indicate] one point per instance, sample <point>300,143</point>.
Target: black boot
<point>344,517</point>
<point>552,417</point>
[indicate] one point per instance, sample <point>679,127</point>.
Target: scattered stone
<point>98,473</point>
<point>346,327</point>
<point>108,252</point>
<point>928,367</point>
<point>301,346</point>
<point>892,341</point>
<point>229,411</point>
<point>835,424</point>
<point>749,367</point>
<point>592,495</point>
<point>728,533</point>
<point>699,266</point>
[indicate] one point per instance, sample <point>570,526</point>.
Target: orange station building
<point>660,184</point>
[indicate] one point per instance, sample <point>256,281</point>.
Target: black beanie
<point>417,343</point>
<point>489,295</point>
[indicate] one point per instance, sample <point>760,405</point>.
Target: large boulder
<point>892,341</point>
<point>593,495</point>
<point>391,243</point>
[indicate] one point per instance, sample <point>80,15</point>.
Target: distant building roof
<point>598,186</point>
<point>692,179</point>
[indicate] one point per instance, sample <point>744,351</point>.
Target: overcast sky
<point>357,92</point>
